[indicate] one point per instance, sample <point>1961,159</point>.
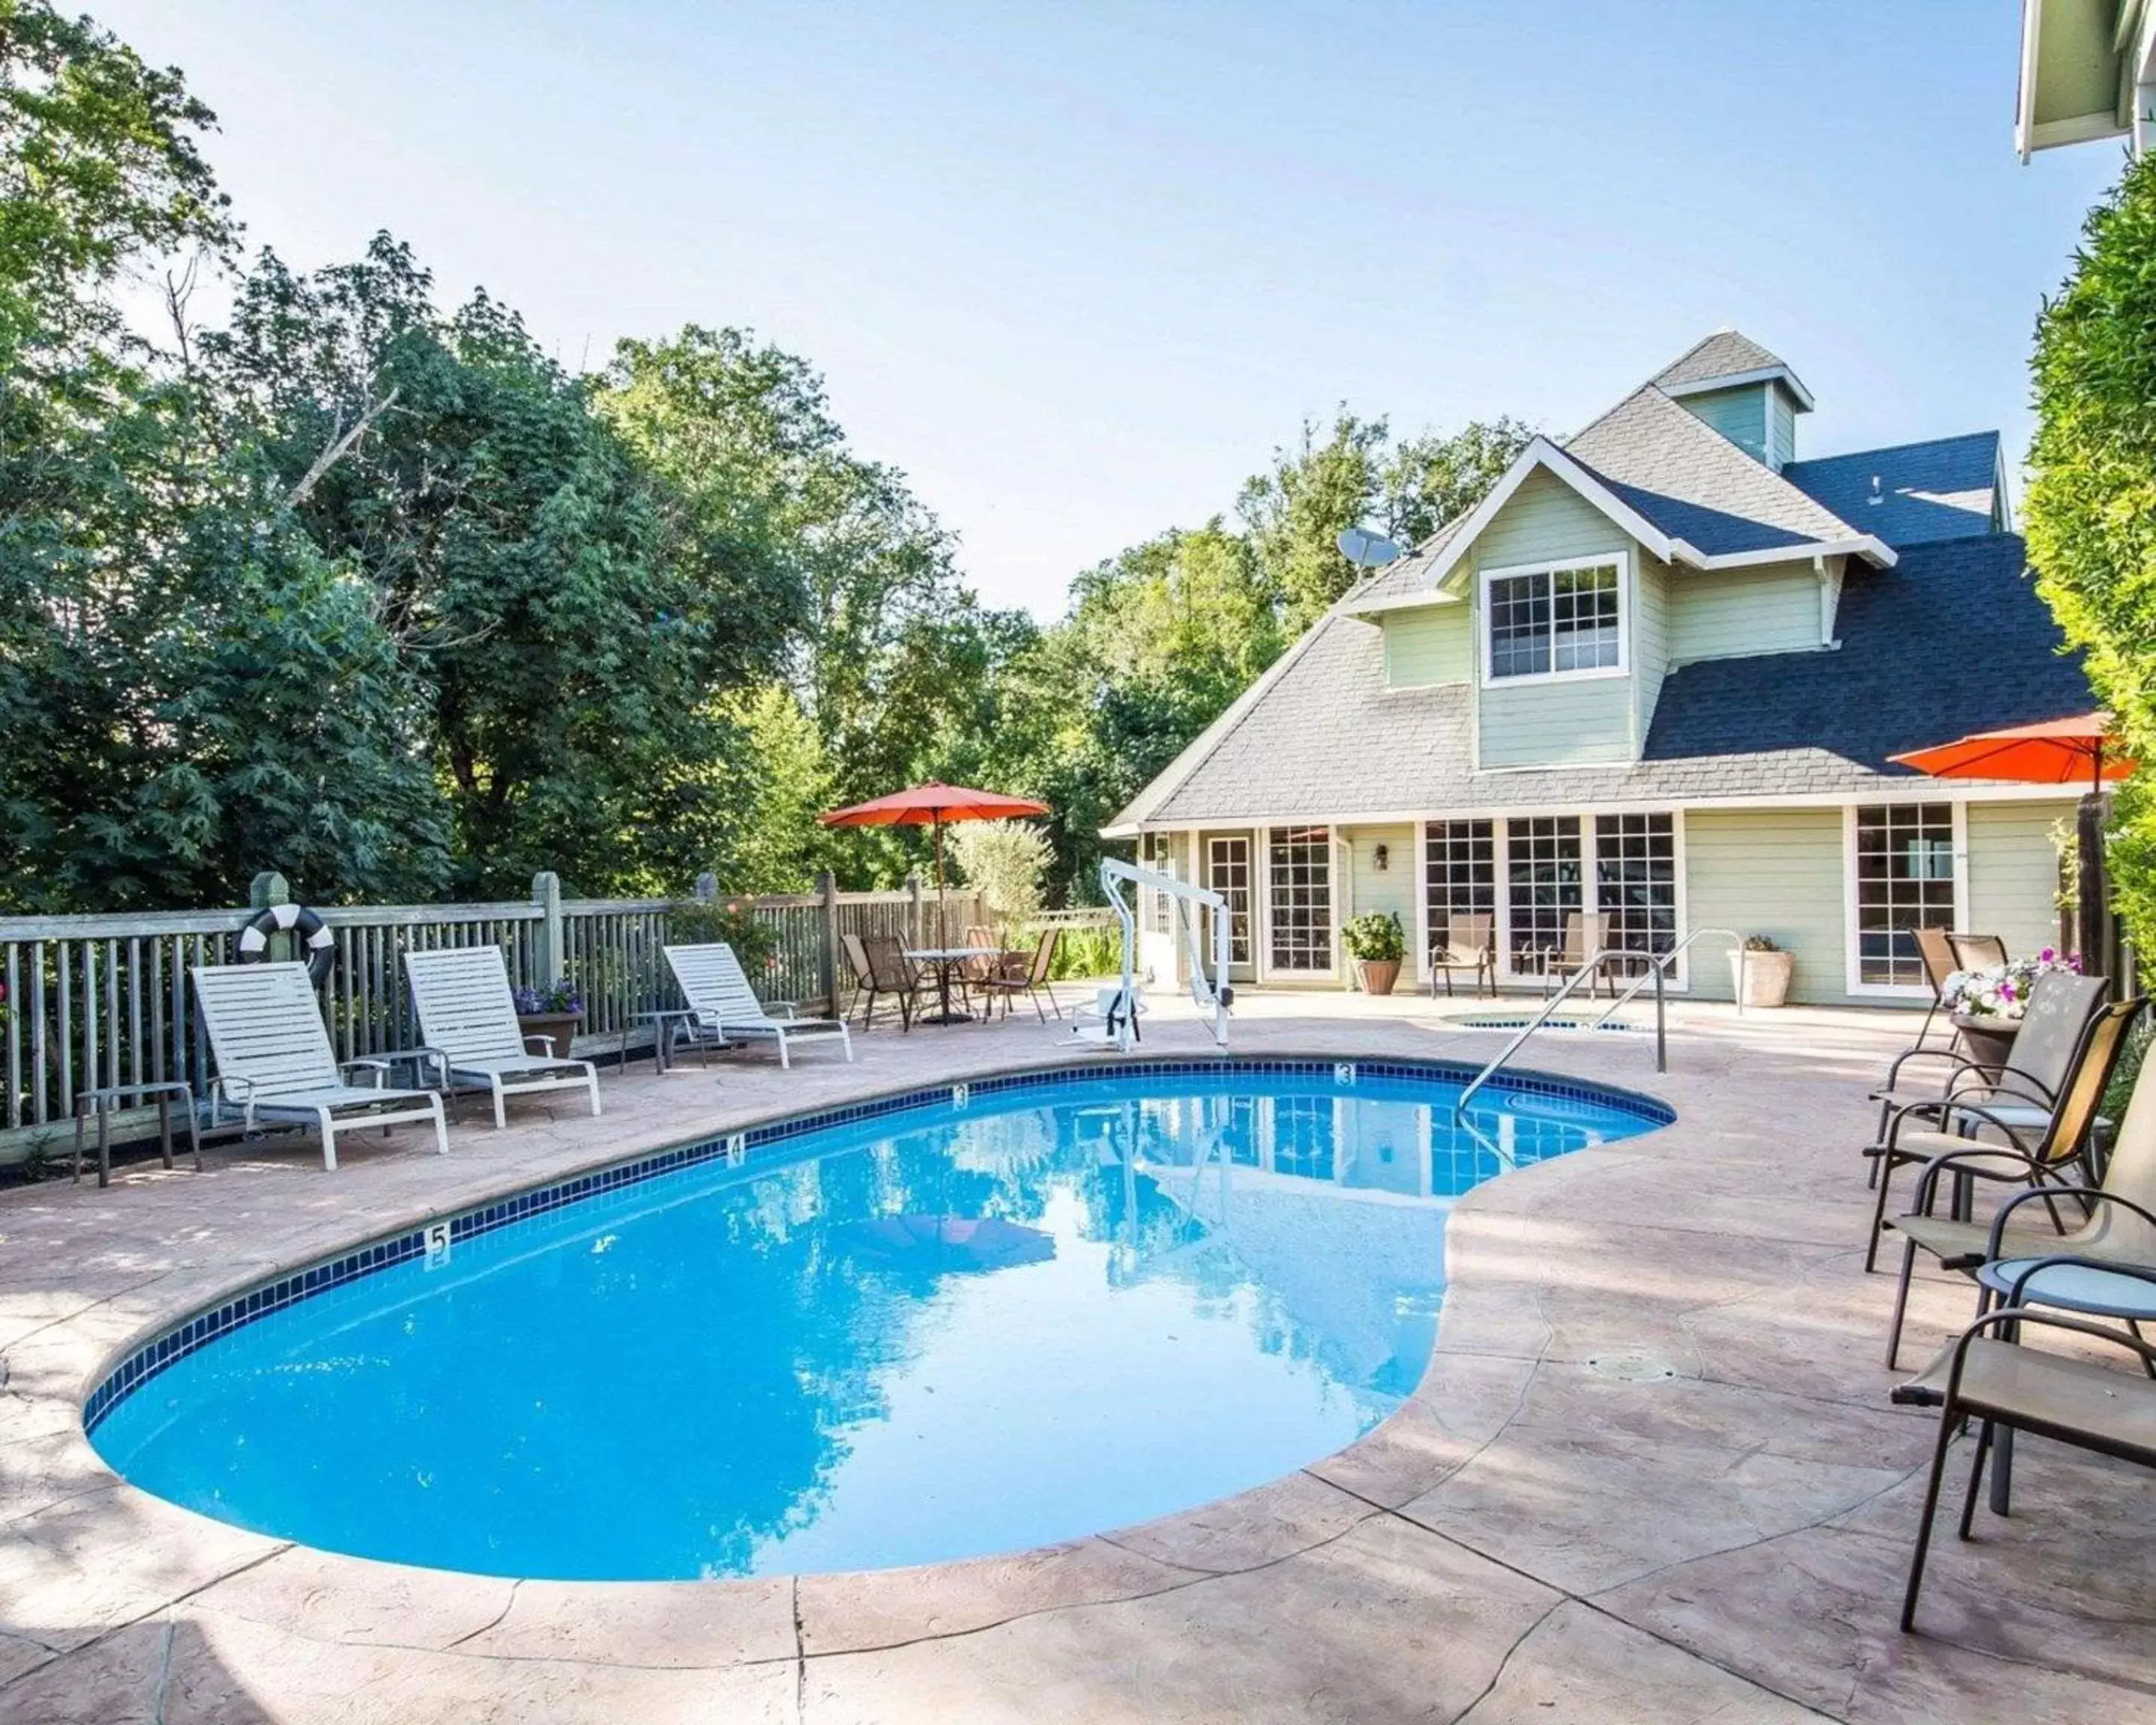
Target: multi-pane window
<point>1548,622</point>
<point>1158,852</point>
<point>1299,866</point>
<point>1905,880</point>
<point>1543,887</point>
<point>1459,874</point>
<point>1635,882</point>
<point>1228,873</point>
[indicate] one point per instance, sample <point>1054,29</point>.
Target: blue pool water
<point>1060,1308</point>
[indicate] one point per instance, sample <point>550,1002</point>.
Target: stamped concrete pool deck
<point>1652,1473</point>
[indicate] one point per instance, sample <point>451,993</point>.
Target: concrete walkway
<point>1652,1474</point>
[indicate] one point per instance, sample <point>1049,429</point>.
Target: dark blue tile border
<point>163,1350</point>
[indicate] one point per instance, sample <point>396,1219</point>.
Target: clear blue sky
<point>1077,269</point>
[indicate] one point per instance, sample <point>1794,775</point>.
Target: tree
<point>1430,480</point>
<point>1295,511</point>
<point>1005,861</point>
<point>2091,510</point>
<point>570,614</point>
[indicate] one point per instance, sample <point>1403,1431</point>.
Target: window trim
<point>1852,949</point>
<point>1621,558</point>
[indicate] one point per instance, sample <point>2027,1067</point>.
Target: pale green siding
<point>1429,646</point>
<point>1771,871</point>
<point>1563,723</point>
<point>1546,521</point>
<point>1739,414</point>
<point>1394,890</point>
<point>2014,872</point>
<point>1781,427</point>
<point>1724,614</point>
<point>1651,640</point>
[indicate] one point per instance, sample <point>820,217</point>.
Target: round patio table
<point>946,959</point>
<point>2085,1288</point>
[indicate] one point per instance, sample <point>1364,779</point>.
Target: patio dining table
<point>946,960</point>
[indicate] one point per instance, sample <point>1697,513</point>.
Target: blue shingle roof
<point>1952,640</point>
<point>1942,490</point>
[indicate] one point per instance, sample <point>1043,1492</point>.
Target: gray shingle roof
<point>1694,484</point>
<point>1942,490</point>
<point>1327,740</point>
<point>1723,354</point>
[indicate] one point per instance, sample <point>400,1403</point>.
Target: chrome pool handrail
<point>1657,973</point>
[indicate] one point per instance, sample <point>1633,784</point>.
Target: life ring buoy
<point>319,944</point>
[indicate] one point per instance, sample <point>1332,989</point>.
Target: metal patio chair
<point>1469,943</point>
<point>2114,1211</point>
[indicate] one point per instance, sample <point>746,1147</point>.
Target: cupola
<point>1747,394</point>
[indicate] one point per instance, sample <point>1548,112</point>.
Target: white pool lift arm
<point>1117,1015</point>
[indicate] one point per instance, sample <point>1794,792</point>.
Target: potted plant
<point>1760,972</point>
<point>555,1010</point>
<point>1986,1005</point>
<point>1377,943</point>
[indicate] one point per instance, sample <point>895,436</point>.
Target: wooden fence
<point>94,1002</point>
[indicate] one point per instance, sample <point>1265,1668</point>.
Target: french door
<point>1228,873</point>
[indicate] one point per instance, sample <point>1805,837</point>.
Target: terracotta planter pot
<point>1377,974</point>
<point>1762,978</point>
<point>561,1026</point>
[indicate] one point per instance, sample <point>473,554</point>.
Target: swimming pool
<point>957,1322</point>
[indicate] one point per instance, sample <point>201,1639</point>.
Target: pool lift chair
<point>1112,1020</point>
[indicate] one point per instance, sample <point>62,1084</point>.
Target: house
<point>2088,71</point>
<point>1657,673</point>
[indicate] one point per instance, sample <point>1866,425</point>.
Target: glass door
<point>1228,873</point>
<point>1544,890</point>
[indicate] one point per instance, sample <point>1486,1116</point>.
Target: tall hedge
<point>2091,510</point>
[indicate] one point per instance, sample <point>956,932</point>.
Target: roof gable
<point>1724,359</point>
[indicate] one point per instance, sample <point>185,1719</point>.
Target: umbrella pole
<point>2089,889</point>
<point>942,920</point>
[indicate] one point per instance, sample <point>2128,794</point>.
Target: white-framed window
<point>1538,871</point>
<point>1460,876</point>
<point>1157,852</point>
<point>1555,620</point>
<point>1299,901</point>
<point>1904,871</point>
<point>1636,882</point>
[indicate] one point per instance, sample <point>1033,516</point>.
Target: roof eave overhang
<point>1544,455</point>
<point>1874,550</point>
<point>1737,380</point>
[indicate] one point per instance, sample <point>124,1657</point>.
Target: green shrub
<point>1085,953</point>
<point>693,923</point>
<point>2090,509</point>
<point>1375,937</point>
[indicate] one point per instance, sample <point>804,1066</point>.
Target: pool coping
<point>140,1359</point>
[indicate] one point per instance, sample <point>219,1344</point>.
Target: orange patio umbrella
<point>2057,752</point>
<point>2070,750</point>
<point>933,805</point>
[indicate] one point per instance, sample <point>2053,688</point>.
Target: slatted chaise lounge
<point>724,1006</point>
<point>468,1019</point>
<point>275,1062</point>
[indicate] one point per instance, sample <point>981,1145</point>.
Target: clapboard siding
<point>1427,647</point>
<point>1727,613</point>
<point>1771,871</point>
<point>2014,872</point>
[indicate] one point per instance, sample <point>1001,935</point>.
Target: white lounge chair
<point>725,1006</point>
<point>275,1062</point>
<point>468,1017</point>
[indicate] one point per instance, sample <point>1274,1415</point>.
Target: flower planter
<point>561,1026</point>
<point>1988,1038</point>
<point>1377,974</point>
<point>1762,978</point>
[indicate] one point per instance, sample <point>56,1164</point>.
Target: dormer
<point>1747,394</point>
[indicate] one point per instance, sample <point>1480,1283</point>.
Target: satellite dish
<point>1365,549</point>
